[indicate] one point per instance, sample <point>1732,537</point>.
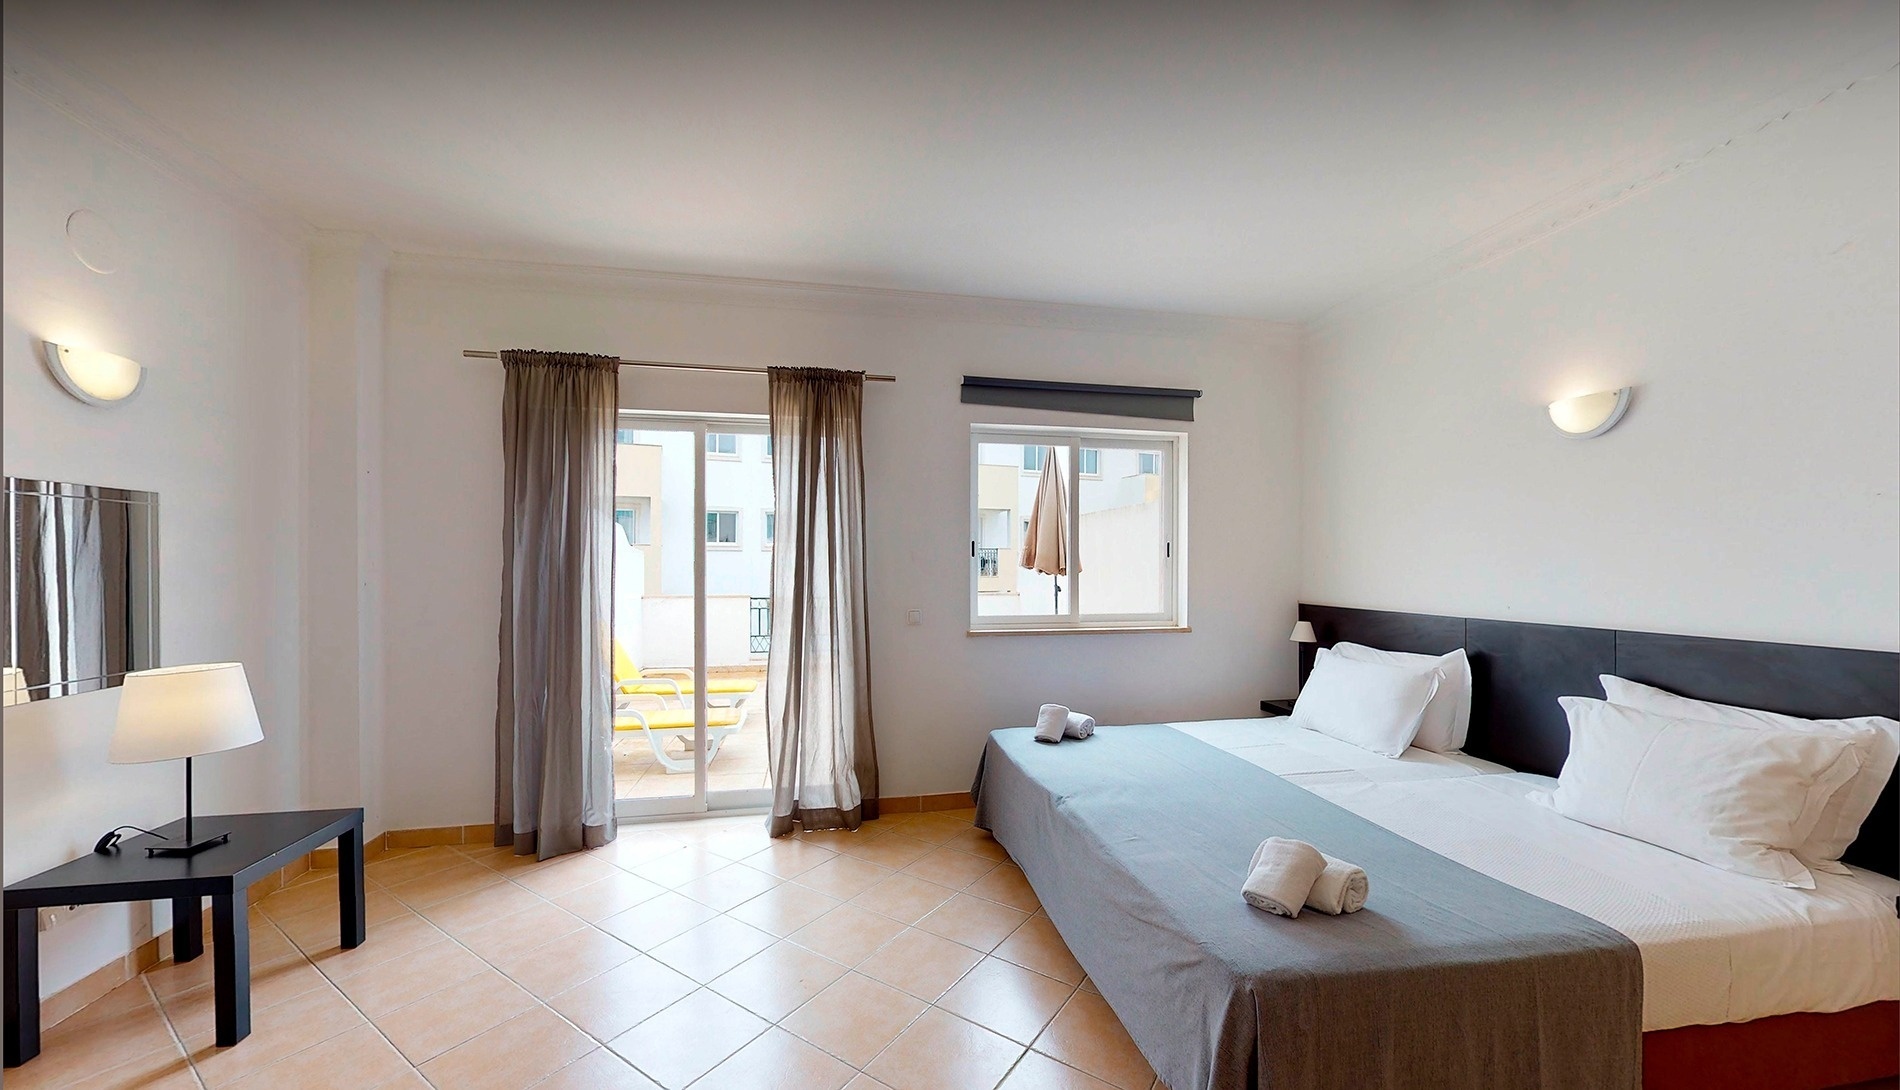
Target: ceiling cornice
<point>1625,180</point>
<point>832,298</point>
<point>108,114</point>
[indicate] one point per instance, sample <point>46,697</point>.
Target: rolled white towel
<point>1281,875</point>
<point>1340,888</point>
<point>1079,726</point>
<point>1051,721</point>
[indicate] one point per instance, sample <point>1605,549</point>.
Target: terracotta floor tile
<point>464,877</point>
<point>838,839</point>
<point>131,999</point>
<point>788,857</point>
<point>903,897</point>
<point>784,908</point>
<point>73,1050</point>
<point>513,935</point>
<point>728,887</point>
<point>622,997</point>
<point>438,1022</point>
<point>303,897</point>
<point>974,922</point>
<point>276,1032</point>
<point>480,907</point>
<point>1088,985</point>
<point>920,963</point>
<point>1007,998</point>
<point>652,922</point>
<point>514,1055</point>
<point>778,980</point>
<point>843,876</point>
<point>172,977</point>
<point>1087,1035</point>
<point>598,1070</point>
<point>739,843</point>
<point>847,934</point>
<point>865,1082</point>
<point>688,1039</point>
<point>561,963</point>
<point>893,850</point>
<point>565,875</point>
<point>712,948</point>
<point>195,1012</point>
<point>780,1061</point>
<point>414,863</point>
<point>854,1018</point>
<point>617,892</point>
<point>680,867</point>
<point>401,981</point>
<point>1036,945</point>
<point>933,828</point>
<point>978,842</point>
<point>952,868</point>
<point>1038,1072</point>
<point>630,849</point>
<point>321,929</point>
<point>1006,886</point>
<point>943,1052</point>
<point>390,939</point>
<point>360,1057</point>
<point>163,1069</point>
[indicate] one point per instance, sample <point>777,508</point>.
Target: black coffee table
<point>259,845</point>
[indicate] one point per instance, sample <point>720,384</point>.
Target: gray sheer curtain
<point>554,783</point>
<point>818,699</point>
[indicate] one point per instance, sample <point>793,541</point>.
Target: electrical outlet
<point>914,616</point>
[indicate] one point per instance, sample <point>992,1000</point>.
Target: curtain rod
<point>478,354</point>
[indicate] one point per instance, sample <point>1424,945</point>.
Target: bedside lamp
<point>1302,633</point>
<point>184,711</point>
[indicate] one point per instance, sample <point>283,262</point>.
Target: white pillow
<point>1737,798</point>
<point>1875,738</point>
<point>1448,717</point>
<point>1372,705</point>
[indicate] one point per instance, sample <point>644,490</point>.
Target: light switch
<point>913,616</point>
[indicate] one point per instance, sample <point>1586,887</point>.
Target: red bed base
<point>1785,1052</point>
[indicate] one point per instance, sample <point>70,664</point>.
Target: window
<point>623,436</point>
<point>633,515</point>
<point>722,445</point>
<point>771,524</point>
<point>722,528</point>
<point>768,448</point>
<point>1123,525</point>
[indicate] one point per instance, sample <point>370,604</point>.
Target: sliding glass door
<point>693,530</point>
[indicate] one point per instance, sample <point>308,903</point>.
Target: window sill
<point>1078,630</point>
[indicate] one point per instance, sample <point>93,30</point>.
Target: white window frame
<point>1096,473</point>
<point>738,528</point>
<point>720,455</point>
<point>1173,616</point>
<point>768,527</point>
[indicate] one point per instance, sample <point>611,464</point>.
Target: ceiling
<point>1250,160</point>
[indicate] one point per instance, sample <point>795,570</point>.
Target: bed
<point>1735,982</point>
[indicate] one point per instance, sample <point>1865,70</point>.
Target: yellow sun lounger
<point>661,723</point>
<point>630,681</point>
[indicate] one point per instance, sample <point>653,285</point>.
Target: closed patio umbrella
<point>1046,546</point>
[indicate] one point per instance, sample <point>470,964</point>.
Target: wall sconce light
<point>94,377</point>
<point>1590,415</point>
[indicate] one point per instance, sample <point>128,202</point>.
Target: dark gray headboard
<point>1519,670</point>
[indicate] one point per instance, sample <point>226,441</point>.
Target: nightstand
<point>1277,707</point>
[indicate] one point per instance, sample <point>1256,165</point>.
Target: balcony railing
<point>989,562</point>
<point>761,626</point>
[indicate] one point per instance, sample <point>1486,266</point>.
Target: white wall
<point>1753,490</point>
<point>211,301</point>
<point>936,689</point>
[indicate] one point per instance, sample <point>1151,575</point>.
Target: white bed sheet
<point>1308,757</point>
<point>1716,947</point>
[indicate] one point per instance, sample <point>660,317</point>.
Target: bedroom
<point>1378,241</point>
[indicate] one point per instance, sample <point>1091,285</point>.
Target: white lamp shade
<point>1303,633</point>
<point>1590,415</point>
<point>92,376</point>
<point>184,711</point>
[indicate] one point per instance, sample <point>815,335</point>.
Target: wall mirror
<point>82,587</point>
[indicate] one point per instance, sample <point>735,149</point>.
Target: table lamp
<point>184,711</point>
<point>1303,633</point>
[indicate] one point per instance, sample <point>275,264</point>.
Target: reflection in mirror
<point>82,587</point>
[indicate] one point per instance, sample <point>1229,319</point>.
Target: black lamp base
<point>187,849</point>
